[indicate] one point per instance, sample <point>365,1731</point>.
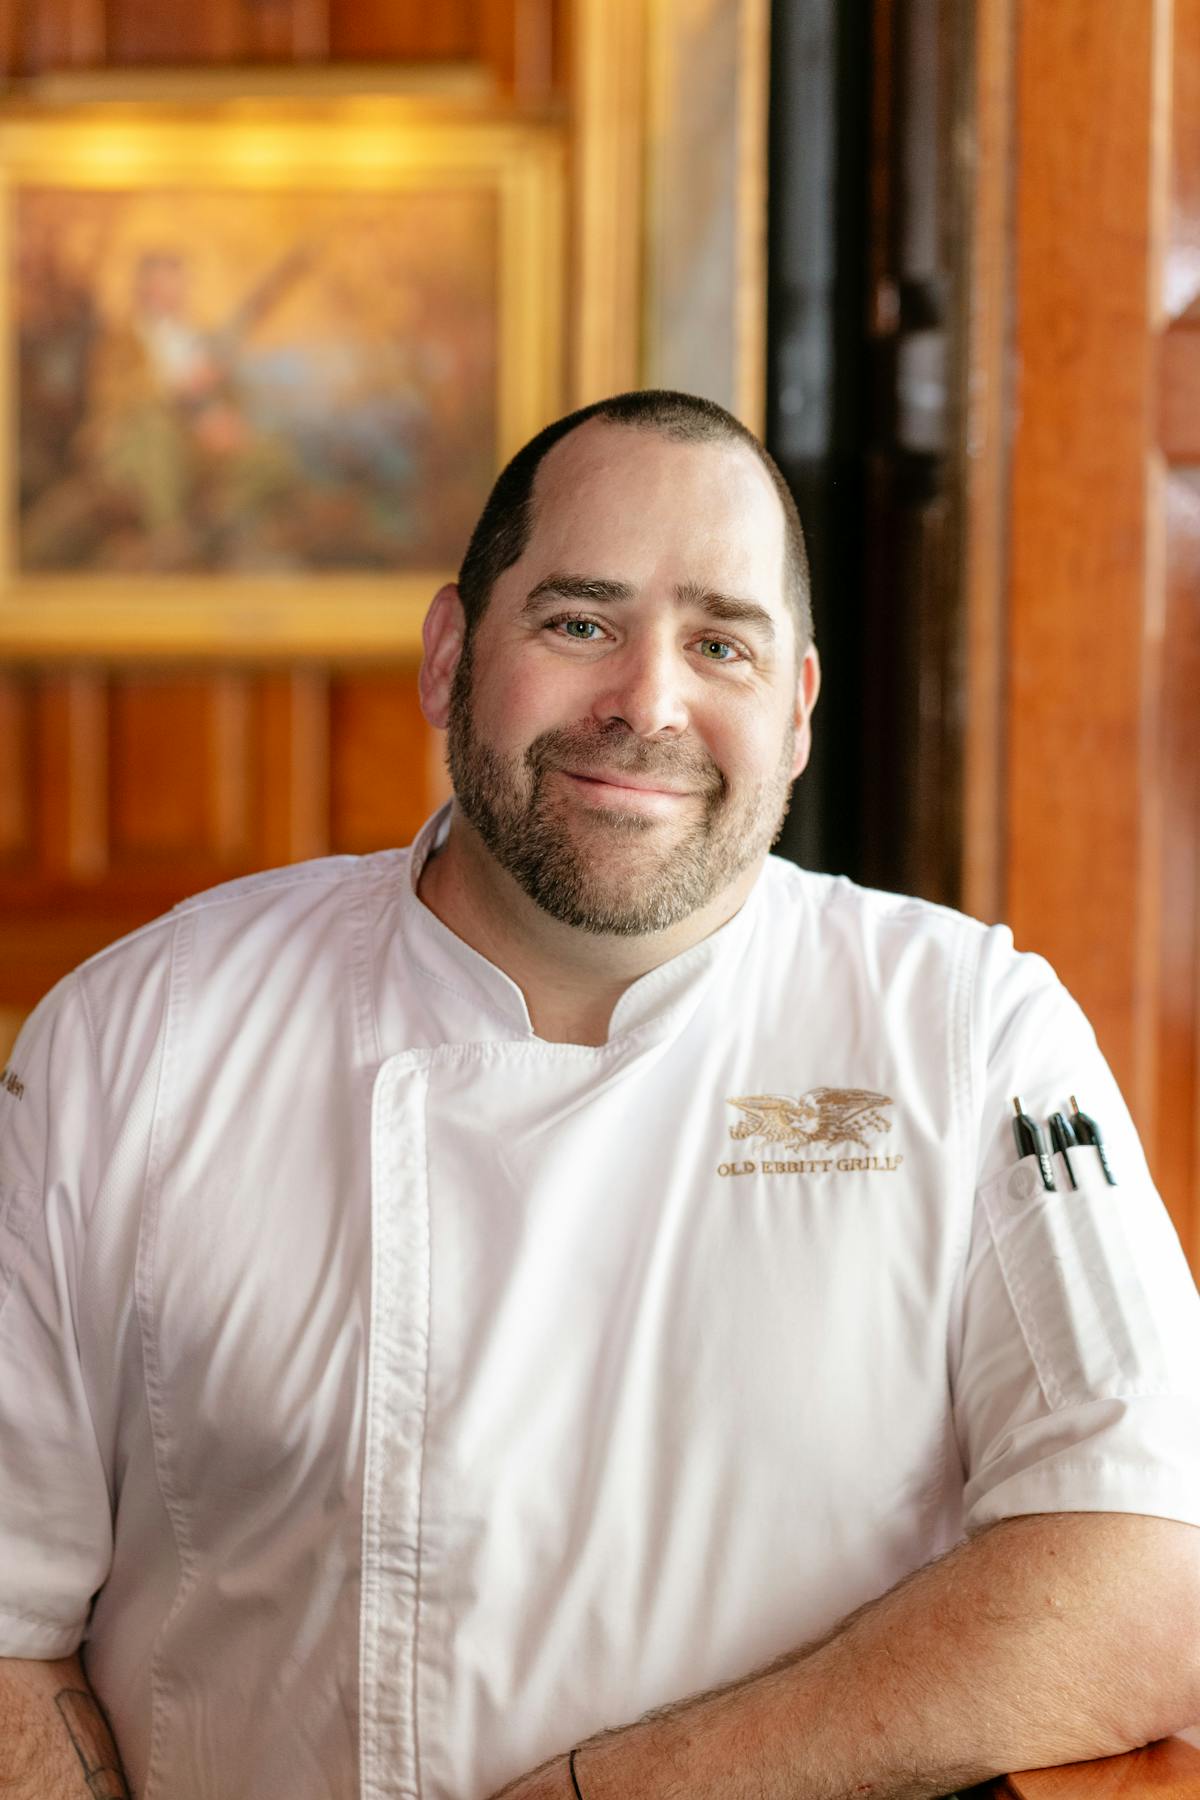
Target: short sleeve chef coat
<point>389,1398</point>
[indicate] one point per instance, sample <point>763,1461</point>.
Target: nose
<point>644,686</point>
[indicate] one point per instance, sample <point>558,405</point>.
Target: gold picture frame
<point>259,360</point>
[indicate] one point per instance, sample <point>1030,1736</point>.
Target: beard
<point>603,869</point>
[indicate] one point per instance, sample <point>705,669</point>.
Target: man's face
<point>623,727</point>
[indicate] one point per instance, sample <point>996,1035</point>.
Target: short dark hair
<point>507,519</point>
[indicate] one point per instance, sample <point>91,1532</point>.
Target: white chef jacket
<point>389,1398</point>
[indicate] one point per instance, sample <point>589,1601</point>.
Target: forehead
<point>630,504</point>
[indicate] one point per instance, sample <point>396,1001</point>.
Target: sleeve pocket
<point>1097,1283</point>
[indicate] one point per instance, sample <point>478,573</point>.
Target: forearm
<point>1045,1640</point>
<point>55,1743</point>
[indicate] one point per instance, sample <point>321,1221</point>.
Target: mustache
<point>615,747</point>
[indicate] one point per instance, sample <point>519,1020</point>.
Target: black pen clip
<point>1030,1142</point>
<point>1062,1137</point>
<point>1088,1132</point>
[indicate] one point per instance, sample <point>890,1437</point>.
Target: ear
<point>443,635</point>
<point>808,686</point>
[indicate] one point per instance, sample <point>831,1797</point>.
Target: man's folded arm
<point>1045,1639</point>
<point>55,1743</point>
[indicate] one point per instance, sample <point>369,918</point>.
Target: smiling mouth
<point>627,783</point>
<point>627,792</point>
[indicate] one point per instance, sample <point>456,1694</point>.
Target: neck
<point>571,978</point>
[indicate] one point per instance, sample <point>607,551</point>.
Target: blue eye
<point>580,629</point>
<point>717,650</point>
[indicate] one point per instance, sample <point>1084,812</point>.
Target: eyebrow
<point>727,609</point>
<point>724,608</point>
<point>574,587</point>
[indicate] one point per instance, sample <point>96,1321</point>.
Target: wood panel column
<point>1101,836</point>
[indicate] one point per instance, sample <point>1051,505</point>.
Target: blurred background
<point>282,283</point>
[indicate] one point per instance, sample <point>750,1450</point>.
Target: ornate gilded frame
<point>335,144</point>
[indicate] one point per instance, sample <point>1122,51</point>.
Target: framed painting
<point>259,363</point>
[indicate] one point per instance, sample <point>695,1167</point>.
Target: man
<point>464,1302</point>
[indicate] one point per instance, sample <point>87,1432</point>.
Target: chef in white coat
<point>565,1297</point>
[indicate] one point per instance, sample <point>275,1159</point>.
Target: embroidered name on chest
<point>825,1118</point>
<point>11,1083</point>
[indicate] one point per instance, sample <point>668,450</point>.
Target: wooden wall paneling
<point>51,36</point>
<point>1175,499</point>
<point>378,30</point>
<point>230,784</point>
<point>285,31</point>
<point>1081,860</point>
<point>11,36</point>
<point>752,78</point>
<point>11,1020</point>
<point>180,772</point>
<point>40,941</point>
<point>16,770</point>
<point>1103,735</point>
<point>1175,1153</point>
<point>607,78</point>
<point>515,38</point>
<point>532,31</point>
<point>72,776</point>
<point>310,30</point>
<point>144,33</point>
<point>1179,393</point>
<point>1180,266</point>
<point>49,926</point>
<point>380,756</point>
<point>163,770</point>
<point>222,32</point>
<point>59,34</point>
<point>523,44</point>
<point>293,799</point>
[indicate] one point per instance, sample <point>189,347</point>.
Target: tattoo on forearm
<point>88,1730</point>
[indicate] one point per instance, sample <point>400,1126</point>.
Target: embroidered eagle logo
<point>825,1115</point>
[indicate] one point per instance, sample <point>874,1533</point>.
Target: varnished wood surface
<point>1180,265</point>
<point>1103,766</point>
<point>128,789</point>
<point>608,157</point>
<point>1169,1770</point>
<point>1179,394</point>
<point>1078,730</point>
<point>1173,608</point>
<point>519,41</point>
<point>1176,1147</point>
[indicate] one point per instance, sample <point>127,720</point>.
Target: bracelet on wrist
<point>571,1772</point>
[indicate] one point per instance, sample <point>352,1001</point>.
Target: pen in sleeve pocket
<point>1088,1132</point>
<point>1062,1136</point>
<point>1030,1142</point>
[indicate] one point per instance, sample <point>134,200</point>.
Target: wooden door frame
<point>1068,690</point>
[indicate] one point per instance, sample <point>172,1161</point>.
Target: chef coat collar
<point>434,951</point>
